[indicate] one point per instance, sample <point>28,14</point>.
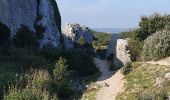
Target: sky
<point>110,13</point>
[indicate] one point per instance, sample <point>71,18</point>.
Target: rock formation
<point>15,13</point>
<point>118,48</point>
<point>73,32</point>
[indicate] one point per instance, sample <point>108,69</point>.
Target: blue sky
<point>110,13</point>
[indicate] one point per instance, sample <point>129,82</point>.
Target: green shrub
<point>61,84</point>
<point>126,69</point>
<point>25,94</point>
<point>135,49</point>
<point>157,46</point>
<point>25,38</point>
<point>149,25</point>
<point>4,34</point>
<point>32,85</point>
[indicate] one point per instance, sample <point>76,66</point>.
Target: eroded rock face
<point>118,49</point>
<point>14,13</point>
<point>73,32</point>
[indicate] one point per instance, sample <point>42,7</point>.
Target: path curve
<point>112,82</point>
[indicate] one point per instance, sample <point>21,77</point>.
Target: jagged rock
<point>14,13</point>
<point>118,49</point>
<point>73,32</point>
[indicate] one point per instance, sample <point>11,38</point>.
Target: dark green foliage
<point>61,84</point>
<point>135,48</point>
<point>80,60</point>
<point>100,38</point>
<point>40,29</point>
<point>4,34</point>
<point>127,69</point>
<point>25,38</point>
<point>148,26</point>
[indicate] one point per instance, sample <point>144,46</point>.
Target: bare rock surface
<point>15,13</point>
<point>73,32</point>
<point>119,48</point>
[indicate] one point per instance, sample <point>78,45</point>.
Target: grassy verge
<point>141,83</point>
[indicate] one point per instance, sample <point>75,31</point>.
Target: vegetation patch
<point>157,46</point>
<point>141,83</point>
<point>25,38</point>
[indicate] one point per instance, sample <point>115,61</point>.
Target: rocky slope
<point>73,32</point>
<point>14,13</point>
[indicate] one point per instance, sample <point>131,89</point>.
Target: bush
<point>127,69</point>
<point>30,86</point>
<point>25,38</point>
<point>4,34</point>
<point>149,25</point>
<point>24,94</point>
<point>61,84</point>
<point>135,49</point>
<point>157,46</point>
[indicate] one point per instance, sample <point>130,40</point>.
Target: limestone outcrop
<point>118,49</point>
<point>15,13</point>
<point>73,32</point>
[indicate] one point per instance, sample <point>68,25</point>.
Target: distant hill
<point>111,30</point>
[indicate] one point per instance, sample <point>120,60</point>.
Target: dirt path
<point>165,61</point>
<point>112,83</point>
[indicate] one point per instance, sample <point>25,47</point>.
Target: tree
<point>25,38</point>
<point>61,84</point>
<point>4,33</point>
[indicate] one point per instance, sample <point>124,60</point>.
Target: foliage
<point>82,40</point>
<point>157,46</point>
<point>30,86</point>
<point>135,49</point>
<point>25,38</point>
<point>80,60</point>
<point>101,39</point>
<point>4,34</point>
<point>25,94</point>
<point>126,69</point>
<point>61,84</point>
<point>151,24</point>
<point>147,27</point>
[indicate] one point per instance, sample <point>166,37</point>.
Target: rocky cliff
<point>15,13</point>
<point>73,32</point>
